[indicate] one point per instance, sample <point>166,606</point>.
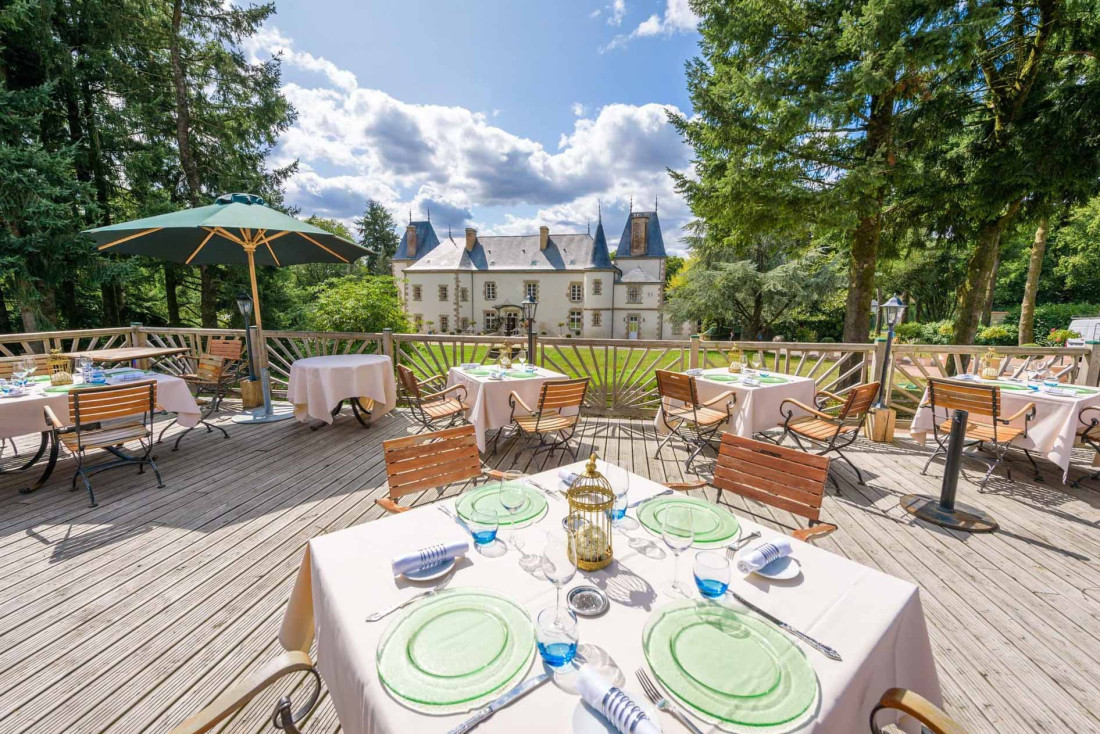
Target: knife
<point>647,499</point>
<point>549,493</point>
<point>498,703</point>
<point>819,646</point>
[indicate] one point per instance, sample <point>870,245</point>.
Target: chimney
<point>544,237</point>
<point>410,239</point>
<point>471,239</point>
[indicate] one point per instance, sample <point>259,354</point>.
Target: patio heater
<point>892,311</point>
<point>244,304</point>
<point>530,306</point>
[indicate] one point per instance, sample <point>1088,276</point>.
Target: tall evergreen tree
<point>378,233</point>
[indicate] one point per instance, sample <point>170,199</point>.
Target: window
<point>576,292</point>
<point>464,294</point>
<point>633,323</point>
<point>490,322</point>
<point>638,227</point>
<point>443,294</point>
<point>597,287</point>
<point>597,318</point>
<point>634,294</point>
<point>576,320</point>
<point>531,290</point>
<point>444,324</point>
<point>490,292</point>
<point>418,322</point>
<point>416,292</point>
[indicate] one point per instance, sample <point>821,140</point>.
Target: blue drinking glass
<point>483,526</point>
<point>712,574</point>
<point>557,636</point>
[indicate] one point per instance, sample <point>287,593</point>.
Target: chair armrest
<point>387,504</point>
<point>828,396</point>
<point>51,418</point>
<point>514,398</point>
<point>919,708</point>
<point>444,391</point>
<point>241,693</point>
<point>803,406</point>
<point>820,530</point>
<point>719,397</point>
<point>493,473</point>
<point>684,486</point>
<point>1090,422</point>
<point>1028,408</point>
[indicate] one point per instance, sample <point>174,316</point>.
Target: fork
<point>662,703</point>
<point>430,592</point>
<point>740,543</point>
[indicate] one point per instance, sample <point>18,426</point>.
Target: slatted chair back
<point>677,386</point>
<point>228,348</point>
<point>431,460</point>
<point>408,381</point>
<point>9,364</point>
<point>860,399</point>
<point>955,395</point>
<point>109,402</point>
<point>561,394</point>
<point>209,368</point>
<point>780,476</point>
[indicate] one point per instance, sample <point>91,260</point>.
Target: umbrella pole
<point>267,413</point>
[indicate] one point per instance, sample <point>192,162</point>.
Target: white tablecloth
<point>874,621</point>
<point>23,415</point>
<point>757,408</point>
<point>1051,433</point>
<point>488,398</point>
<point>318,384</point>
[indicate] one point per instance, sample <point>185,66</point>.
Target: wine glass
<point>557,637</point>
<point>559,561</point>
<point>30,364</point>
<point>621,489</point>
<point>512,497</point>
<point>83,365</point>
<point>522,358</point>
<point>678,532</point>
<point>19,372</point>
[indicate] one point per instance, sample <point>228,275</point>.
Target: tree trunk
<point>110,304</point>
<point>5,317</point>
<point>69,306</point>
<point>1031,287</point>
<point>970,298</point>
<point>171,284</point>
<point>990,289</point>
<point>27,314</point>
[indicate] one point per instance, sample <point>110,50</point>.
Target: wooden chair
<point>779,476</point>
<point>695,423</point>
<point>107,418</point>
<point>210,373</point>
<point>446,405</point>
<point>430,461</point>
<point>549,417</point>
<point>833,431</point>
<point>1088,433</point>
<point>227,355</point>
<point>917,706</point>
<point>981,402</point>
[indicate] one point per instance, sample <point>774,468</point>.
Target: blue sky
<point>502,115</point>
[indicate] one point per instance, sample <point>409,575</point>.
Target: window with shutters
<point>417,292</point>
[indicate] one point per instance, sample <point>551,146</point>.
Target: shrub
<point>1000,335</point>
<point>1058,337</point>
<point>1053,315</point>
<point>910,331</point>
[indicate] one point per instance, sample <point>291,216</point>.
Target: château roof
<point>518,252</point>
<point>426,241</point>
<point>656,242</point>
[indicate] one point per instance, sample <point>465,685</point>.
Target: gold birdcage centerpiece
<point>990,365</point>
<point>590,501</point>
<point>505,357</point>
<point>734,356</point>
<point>60,368</point>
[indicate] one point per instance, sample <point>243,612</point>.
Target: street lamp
<point>892,311</point>
<point>244,304</point>
<point>530,306</point>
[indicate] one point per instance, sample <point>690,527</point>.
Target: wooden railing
<point>621,370</point>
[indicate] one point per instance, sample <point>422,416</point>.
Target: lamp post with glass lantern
<point>530,306</point>
<point>892,312</point>
<point>244,305</point>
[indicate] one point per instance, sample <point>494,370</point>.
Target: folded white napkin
<point>967,377</point>
<point>694,371</point>
<point>469,365</point>
<point>429,556</point>
<point>617,706</point>
<point>567,477</point>
<point>765,554</point>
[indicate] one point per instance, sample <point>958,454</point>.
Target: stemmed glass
<point>30,364</point>
<point>512,497</point>
<point>522,358</point>
<point>621,489</point>
<point>678,532</point>
<point>19,372</point>
<point>83,365</point>
<point>559,562</point>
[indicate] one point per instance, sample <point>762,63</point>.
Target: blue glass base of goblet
<point>484,537</point>
<point>711,588</point>
<point>558,654</point>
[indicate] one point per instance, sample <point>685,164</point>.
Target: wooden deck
<point>132,615</point>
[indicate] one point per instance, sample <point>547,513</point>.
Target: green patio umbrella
<point>237,229</point>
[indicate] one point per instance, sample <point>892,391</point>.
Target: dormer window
<point>639,232</point>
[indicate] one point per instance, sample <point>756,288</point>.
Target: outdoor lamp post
<point>530,306</point>
<point>891,314</point>
<point>875,315</point>
<point>244,304</point>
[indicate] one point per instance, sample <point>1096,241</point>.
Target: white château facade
<point>475,284</point>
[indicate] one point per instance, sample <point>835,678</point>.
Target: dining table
<point>128,354</point>
<point>757,406</point>
<point>487,395</point>
<point>1051,433</point>
<point>874,621</point>
<point>318,387</point>
<point>24,414</point>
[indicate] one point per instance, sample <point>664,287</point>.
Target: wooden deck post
<point>138,339</point>
<point>693,356</point>
<point>387,343</point>
<point>1092,374</point>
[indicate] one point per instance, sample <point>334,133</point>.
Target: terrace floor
<point>131,616</point>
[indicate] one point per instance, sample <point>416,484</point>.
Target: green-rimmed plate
<point>479,372</point>
<point>521,375</point>
<point>713,526</point>
<point>773,380</point>
<point>487,497</point>
<point>1010,386</point>
<point>455,651</point>
<point>722,378</point>
<point>729,666</point>
<point>64,388</point>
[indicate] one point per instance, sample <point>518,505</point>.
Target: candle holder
<point>60,368</point>
<point>590,502</point>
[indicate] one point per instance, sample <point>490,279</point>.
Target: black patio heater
<point>244,304</point>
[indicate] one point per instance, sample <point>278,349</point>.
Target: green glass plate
<point>729,666</point>
<point>1010,386</point>
<point>63,388</point>
<point>479,372</point>
<point>487,497</point>
<point>772,380</point>
<point>521,375</point>
<point>39,378</point>
<point>713,525</point>
<point>455,651</point>
<point>722,378</point>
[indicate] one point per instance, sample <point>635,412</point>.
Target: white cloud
<point>617,11</point>
<point>354,142</point>
<point>677,18</point>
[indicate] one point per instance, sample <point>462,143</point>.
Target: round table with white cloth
<point>319,384</point>
<point>488,398</point>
